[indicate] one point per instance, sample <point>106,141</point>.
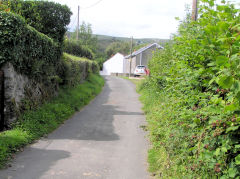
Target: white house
<point>113,65</point>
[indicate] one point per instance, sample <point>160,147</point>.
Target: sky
<point>126,18</point>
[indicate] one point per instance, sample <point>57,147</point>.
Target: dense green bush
<point>74,48</point>
<point>85,37</point>
<point>48,18</point>
<point>74,70</point>
<point>32,53</point>
<point>100,62</point>
<point>192,99</point>
<point>4,7</point>
<point>36,55</point>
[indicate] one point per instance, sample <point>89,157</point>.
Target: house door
<point>1,100</point>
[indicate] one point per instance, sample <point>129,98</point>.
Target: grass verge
<point>158,157</point>
<point>160,164</point>
<point>137,82</point>
<point>36,123</point>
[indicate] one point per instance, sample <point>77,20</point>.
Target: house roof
<point>143,49</point>
<point>114,56</point>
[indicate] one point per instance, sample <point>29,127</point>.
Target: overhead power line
<point>77,17</point>
<point>73,23</point>
<point>92,5</point>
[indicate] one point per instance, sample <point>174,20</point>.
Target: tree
<point>49,18</point>
<point>115,47</point>
<point>85,36</point>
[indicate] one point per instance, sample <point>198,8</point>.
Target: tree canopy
<point>115,47</point>
<point>49,18</point>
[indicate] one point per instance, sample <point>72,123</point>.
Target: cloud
<point>138,18</point>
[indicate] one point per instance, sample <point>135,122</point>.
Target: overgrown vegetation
<point>49,18</point>
<point>86,40</point>
<point>74,48</point>
<point>192,99</point>
<point>39,57</point>
<point>35,54</point>
<point>31,34</point>
<point>36,123</point>
<point>31,52</point>
<point>74,69</point>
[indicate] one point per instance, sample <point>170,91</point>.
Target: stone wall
<point>1,100</point>
<point>22,93</point>
<point>17,90</point>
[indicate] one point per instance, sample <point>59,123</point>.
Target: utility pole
<point>195,10</point>
<point>78,22</point>
<point>130,63</point>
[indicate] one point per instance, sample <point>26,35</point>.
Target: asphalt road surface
<point>104,140</point>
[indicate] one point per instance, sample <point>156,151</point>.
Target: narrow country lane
<point>104,140</point>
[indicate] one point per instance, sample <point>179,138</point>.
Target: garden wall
<point>18,89</point>
<point>22,93</point>
<point>34,67</point>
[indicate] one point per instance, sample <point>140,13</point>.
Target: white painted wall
<point>113,65</point>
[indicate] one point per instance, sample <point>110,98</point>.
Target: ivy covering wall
<point>31,52</point>
<point>37,54</point>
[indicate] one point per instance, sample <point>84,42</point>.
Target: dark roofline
<point>143,49</point>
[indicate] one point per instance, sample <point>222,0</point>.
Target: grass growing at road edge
<point>137,82</point>
<point>36,123</point>
<point>158,157</point>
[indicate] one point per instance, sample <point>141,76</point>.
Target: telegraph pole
<point>194,10</point>
<point>78,22</point>
<point>130,63</point>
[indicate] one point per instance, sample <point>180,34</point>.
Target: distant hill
<point>104,41</point>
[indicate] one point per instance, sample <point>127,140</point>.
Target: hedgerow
<point>192,99</point>
<point>75,69</point>
<point>49,18</point>
<point>38,56</point>
<point>74,48</point>
<point>31,52</point>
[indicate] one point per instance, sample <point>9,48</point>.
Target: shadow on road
<point>94,122</point>
<point>43,160</point>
